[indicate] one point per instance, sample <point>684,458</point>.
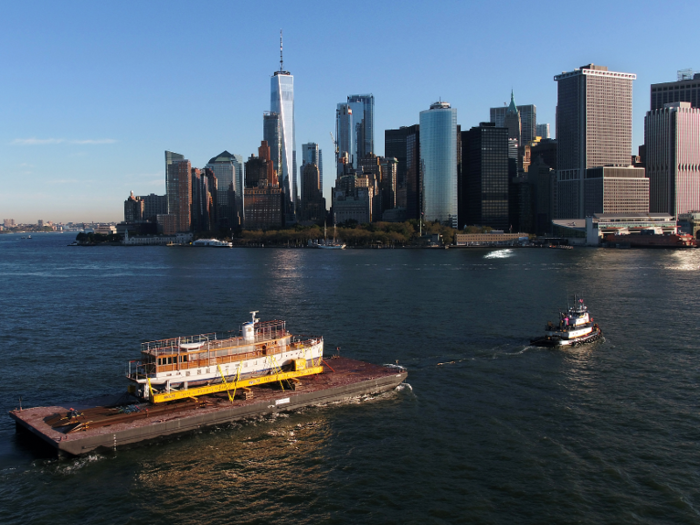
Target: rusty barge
<point>184,384</point>
<point>109,427</point>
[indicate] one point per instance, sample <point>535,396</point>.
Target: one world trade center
<point>282,103</point>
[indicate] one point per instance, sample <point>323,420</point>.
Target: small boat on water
<point>576,327</point>
<point>212,243</point>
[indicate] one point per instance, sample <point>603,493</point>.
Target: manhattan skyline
<point>95,94</point>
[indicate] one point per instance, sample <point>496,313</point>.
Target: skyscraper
<point>438,162</point>
<point>271,135</point>
<point>311,154</point>
<point>404,145</point>
<point>528,119</point>
<point>345,135</point>
<point>543,131</point>
<point>363,120</point>
<point>685,89</point>
<point>672,141</point>
<point>513,123</point>
<point>178,185</point>
<point>282,103</point>
<point>263,197</point>
<point>229,195</point>
<point>594,128</point>
<point>484,199</point>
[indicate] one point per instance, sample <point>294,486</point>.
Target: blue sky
<point>94,92</point>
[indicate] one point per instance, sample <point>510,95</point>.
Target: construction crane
<point>335,143</point>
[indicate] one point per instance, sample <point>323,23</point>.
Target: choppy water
<point>500,432</point>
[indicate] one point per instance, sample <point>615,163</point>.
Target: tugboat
<point>575,327</point>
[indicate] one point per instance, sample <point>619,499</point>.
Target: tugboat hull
<point>554,341</point>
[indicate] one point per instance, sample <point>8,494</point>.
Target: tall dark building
<point>178,185</point>
<point>404,145</point>
<point>313,205</point>
<point>484,197</point>
<point>271,134</point>
<point>685,89</point>
<point>204,205</point>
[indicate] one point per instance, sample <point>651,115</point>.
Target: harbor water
<point>488,429</point>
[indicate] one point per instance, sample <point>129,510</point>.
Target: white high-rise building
<point>672,141</point>
<point>594,129</point>
<point>282,103</point>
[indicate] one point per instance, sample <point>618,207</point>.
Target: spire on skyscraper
<point>512,108</point>
<point>281,59</point>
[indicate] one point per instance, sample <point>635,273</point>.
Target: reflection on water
<point>260,468</point>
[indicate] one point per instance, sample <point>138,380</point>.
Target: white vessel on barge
<point>575,327</point>
<point>258,349</point>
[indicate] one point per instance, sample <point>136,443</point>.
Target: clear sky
<point>93,93</point>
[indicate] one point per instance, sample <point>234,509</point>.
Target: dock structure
<point>77,432</point>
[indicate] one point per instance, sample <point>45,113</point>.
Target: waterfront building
<point>685,89</point>
<point>178,185</point>
<point>311,154</point>
<point>154,205</point>
<point>355,205</point>
<point>594,128</point>
<point>672,158</point>
<point>542,179</point>
<point>363,122</point>
<point>485,167</point>
<point>345,137</point>
<point>282,103</point>
<point>228,170</point>
<point>438,163</point>
<point>543,131</point>
<point>616,190</point>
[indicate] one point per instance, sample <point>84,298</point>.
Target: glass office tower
<point>282,103</point>
<point>363,117</point>
<point>438,161</point>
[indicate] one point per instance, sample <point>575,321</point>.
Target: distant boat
<point>212,243</point>
<point>325,245</point>
<point>26,237</point>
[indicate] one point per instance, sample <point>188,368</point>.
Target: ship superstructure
<point>575,327</point>
<point>258,349</point>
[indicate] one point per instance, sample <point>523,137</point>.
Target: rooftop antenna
<point>281,59</point>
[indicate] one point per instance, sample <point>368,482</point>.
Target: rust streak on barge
<point>108,428</point>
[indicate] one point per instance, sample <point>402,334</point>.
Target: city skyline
<point>94,95</point>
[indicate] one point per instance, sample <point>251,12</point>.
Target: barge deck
<point>95,427</point>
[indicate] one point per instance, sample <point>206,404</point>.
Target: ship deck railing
<point>143,370</point>
<point>266,331</point>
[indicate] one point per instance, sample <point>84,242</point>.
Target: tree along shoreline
<point>390,234</point>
